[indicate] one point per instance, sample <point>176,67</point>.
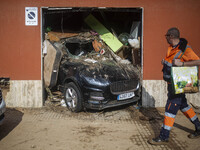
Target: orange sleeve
<point>189,55</point>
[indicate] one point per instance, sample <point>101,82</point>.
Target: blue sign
<point>31,15</point>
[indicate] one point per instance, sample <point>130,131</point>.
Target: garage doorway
<point>119,21</point>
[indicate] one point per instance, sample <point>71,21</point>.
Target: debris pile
<point>124,48</point>
<point>96,44</point>
<point>55,98</point>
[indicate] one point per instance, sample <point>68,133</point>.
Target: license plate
<point>125,96</point>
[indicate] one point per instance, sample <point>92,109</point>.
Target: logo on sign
<point>31,15</point>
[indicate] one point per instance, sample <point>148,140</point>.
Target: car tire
<point>73,97</point>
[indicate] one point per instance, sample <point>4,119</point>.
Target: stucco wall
<point>20,45</point>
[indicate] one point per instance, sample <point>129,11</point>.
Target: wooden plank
<point>56,36</point>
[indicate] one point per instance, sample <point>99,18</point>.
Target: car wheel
<point>73,97</point>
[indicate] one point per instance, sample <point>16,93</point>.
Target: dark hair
<point>174,32</point>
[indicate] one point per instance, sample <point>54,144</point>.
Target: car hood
<point>106,69</point>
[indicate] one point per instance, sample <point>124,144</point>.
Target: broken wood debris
<point>56,98</point>
<point>57,36</point>
<point>94,47</point>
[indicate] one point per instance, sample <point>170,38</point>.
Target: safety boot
<point>158,141</point>
<point>195,135</point>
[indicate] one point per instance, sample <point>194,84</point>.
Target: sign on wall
<point>31,16</point>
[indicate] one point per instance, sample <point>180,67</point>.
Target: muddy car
<point>89,79</point>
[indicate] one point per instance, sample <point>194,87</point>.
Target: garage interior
<point>121,22</point>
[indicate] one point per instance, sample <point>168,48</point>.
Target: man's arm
<point>177,62</point>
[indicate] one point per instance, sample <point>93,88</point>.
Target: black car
<point>92,80</point>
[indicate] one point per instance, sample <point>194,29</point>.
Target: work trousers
<point>176,102</point>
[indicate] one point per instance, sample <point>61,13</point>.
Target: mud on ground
<point>55,127</point>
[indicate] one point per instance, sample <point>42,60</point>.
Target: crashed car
<point>92,79</point>
<point>2,107</point>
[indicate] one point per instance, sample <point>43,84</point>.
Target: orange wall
<point>20,45</point>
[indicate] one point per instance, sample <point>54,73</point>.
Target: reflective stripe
<point>188,47</point>
<point>185,109</point>
<point>167,63</point>
<point>168,121</point>
<point>166,127</point>
<point>185,50</point>
<point>176,56</point>
<point>170,115</point>
<point>194,118</point>
<point>189,113</point>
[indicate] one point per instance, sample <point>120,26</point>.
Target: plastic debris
<point>134,43</point>
<point>104,33</point>
<point>63,103</point>
<point>123,37</point>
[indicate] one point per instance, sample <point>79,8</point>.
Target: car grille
<point>0,96</point>
<point>123,86</point>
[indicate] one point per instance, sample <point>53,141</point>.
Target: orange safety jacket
<point>174,53</point>
<point>182,51</point>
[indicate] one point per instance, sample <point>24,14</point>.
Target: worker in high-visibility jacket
<point>178,48</point>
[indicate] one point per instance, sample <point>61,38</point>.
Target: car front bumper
<point>112,103</point>
<point>2,111</point>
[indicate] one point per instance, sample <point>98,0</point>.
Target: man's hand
<point>177,62</point>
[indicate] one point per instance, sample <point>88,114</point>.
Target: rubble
<point>94,53</point>
<point>124,49</point>
<point>94,57</point>
<point>55,98</point>
<point>57,36</point>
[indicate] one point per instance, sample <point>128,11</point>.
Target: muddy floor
<point>123,128</point>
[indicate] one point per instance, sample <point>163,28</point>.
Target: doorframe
<point>62,8</point>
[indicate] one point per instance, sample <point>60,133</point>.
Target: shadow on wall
<point>147,100</point>
<point>12,119</point>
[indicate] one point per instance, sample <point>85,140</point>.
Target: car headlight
<point>98,82</point>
